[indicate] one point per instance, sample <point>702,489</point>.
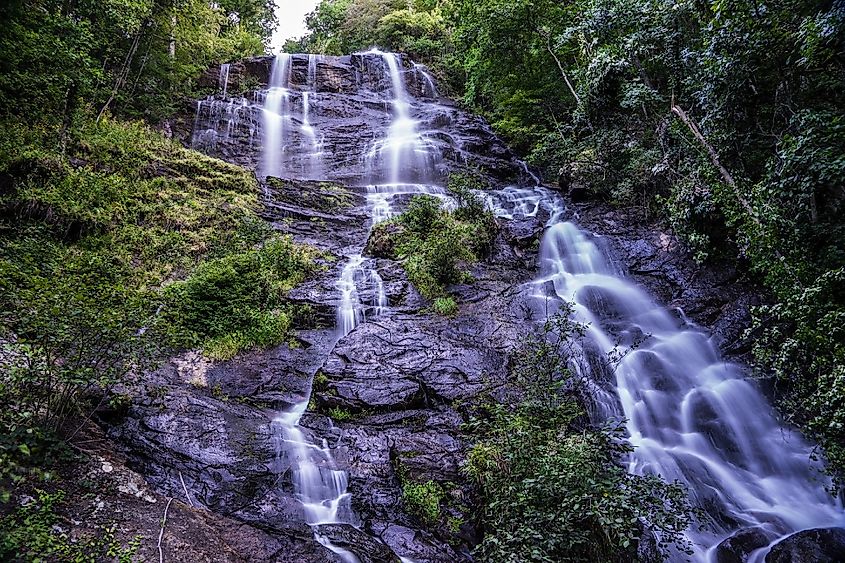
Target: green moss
<point>238,301</point>
<point>340,414</point>
<point>445,306</point>
<point>320,382</point>
<point>423,500</point>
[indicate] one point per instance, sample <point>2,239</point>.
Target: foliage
<point>445,306</point>
<point>808,330</point>
<point>552,490</point>
<point>340,414</point>
<point>89,234</point>
<point>237,302</point>
<point>420,28</point>
<point>137,57</point>
<point>423,500</point>
<point>435,244</point>
<point>32,533</point>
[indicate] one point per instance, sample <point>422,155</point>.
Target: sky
<point>291,16</point>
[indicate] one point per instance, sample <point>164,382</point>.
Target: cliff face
<point>339,143</point>
<point>344,104</point>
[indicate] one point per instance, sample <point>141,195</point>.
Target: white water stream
<point>690,415</point>
<point>399,164</point>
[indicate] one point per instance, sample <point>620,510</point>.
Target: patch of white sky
<point>291,17</point>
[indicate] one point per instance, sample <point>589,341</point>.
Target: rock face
<point>349,109</point>
<point>388,397</point>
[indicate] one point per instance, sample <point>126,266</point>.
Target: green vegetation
<point>134,57</point>
<point>340,414</point>
<point>420,28</point>
<point>551,489</point>
<point>237,302</point>
<point>117,245</point>
<point>423,500</point>
<point>726,119</point>
<point>436,245</point>
<point>32,533</point>
<point>445,306</point>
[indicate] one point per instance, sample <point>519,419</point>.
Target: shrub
<point>238,301</point>
<point>552,490</point>
<point>445,306</point>
<point>423,500</point>
<point>423,214</point>
<point>435,245</point>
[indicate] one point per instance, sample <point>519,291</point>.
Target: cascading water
<point>219,117</point>
<point>402,162</point>
<point>313,143</point>
<point>223,78</point>
<point>426,82</point>
<point>276,116</point>
<point>691,416</point>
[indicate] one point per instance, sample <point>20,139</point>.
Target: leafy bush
<point>445,306</point>
<point>237,302</point>
<point>436,245</point>
<point>31,533</point>
<point>423,214</point>
<point>552,490</point>
<point>423,500</point>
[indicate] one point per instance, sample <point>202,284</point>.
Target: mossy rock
<point>326,197</point>
<point>383,240</point>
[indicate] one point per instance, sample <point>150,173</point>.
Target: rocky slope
<point>397,386</point>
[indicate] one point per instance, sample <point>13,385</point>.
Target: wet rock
<point>739,546</point>
<point>405,361</point>
<point>367,548</point>
<point>522,233</point>
<point>820,545</point>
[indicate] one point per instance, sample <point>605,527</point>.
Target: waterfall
<point>223,78</point>
<point>312,140</point>
<point>218,118</point>
<point>400,164</point>
<point>276,116</point>
<point>425,81</point>
<point>691,415</point>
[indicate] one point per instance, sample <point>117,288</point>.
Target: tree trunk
<point>714,158</point>
<point>122,75</point>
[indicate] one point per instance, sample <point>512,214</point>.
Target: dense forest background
<point>725,119</point>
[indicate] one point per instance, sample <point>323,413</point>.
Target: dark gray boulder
<point>819,545</point>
